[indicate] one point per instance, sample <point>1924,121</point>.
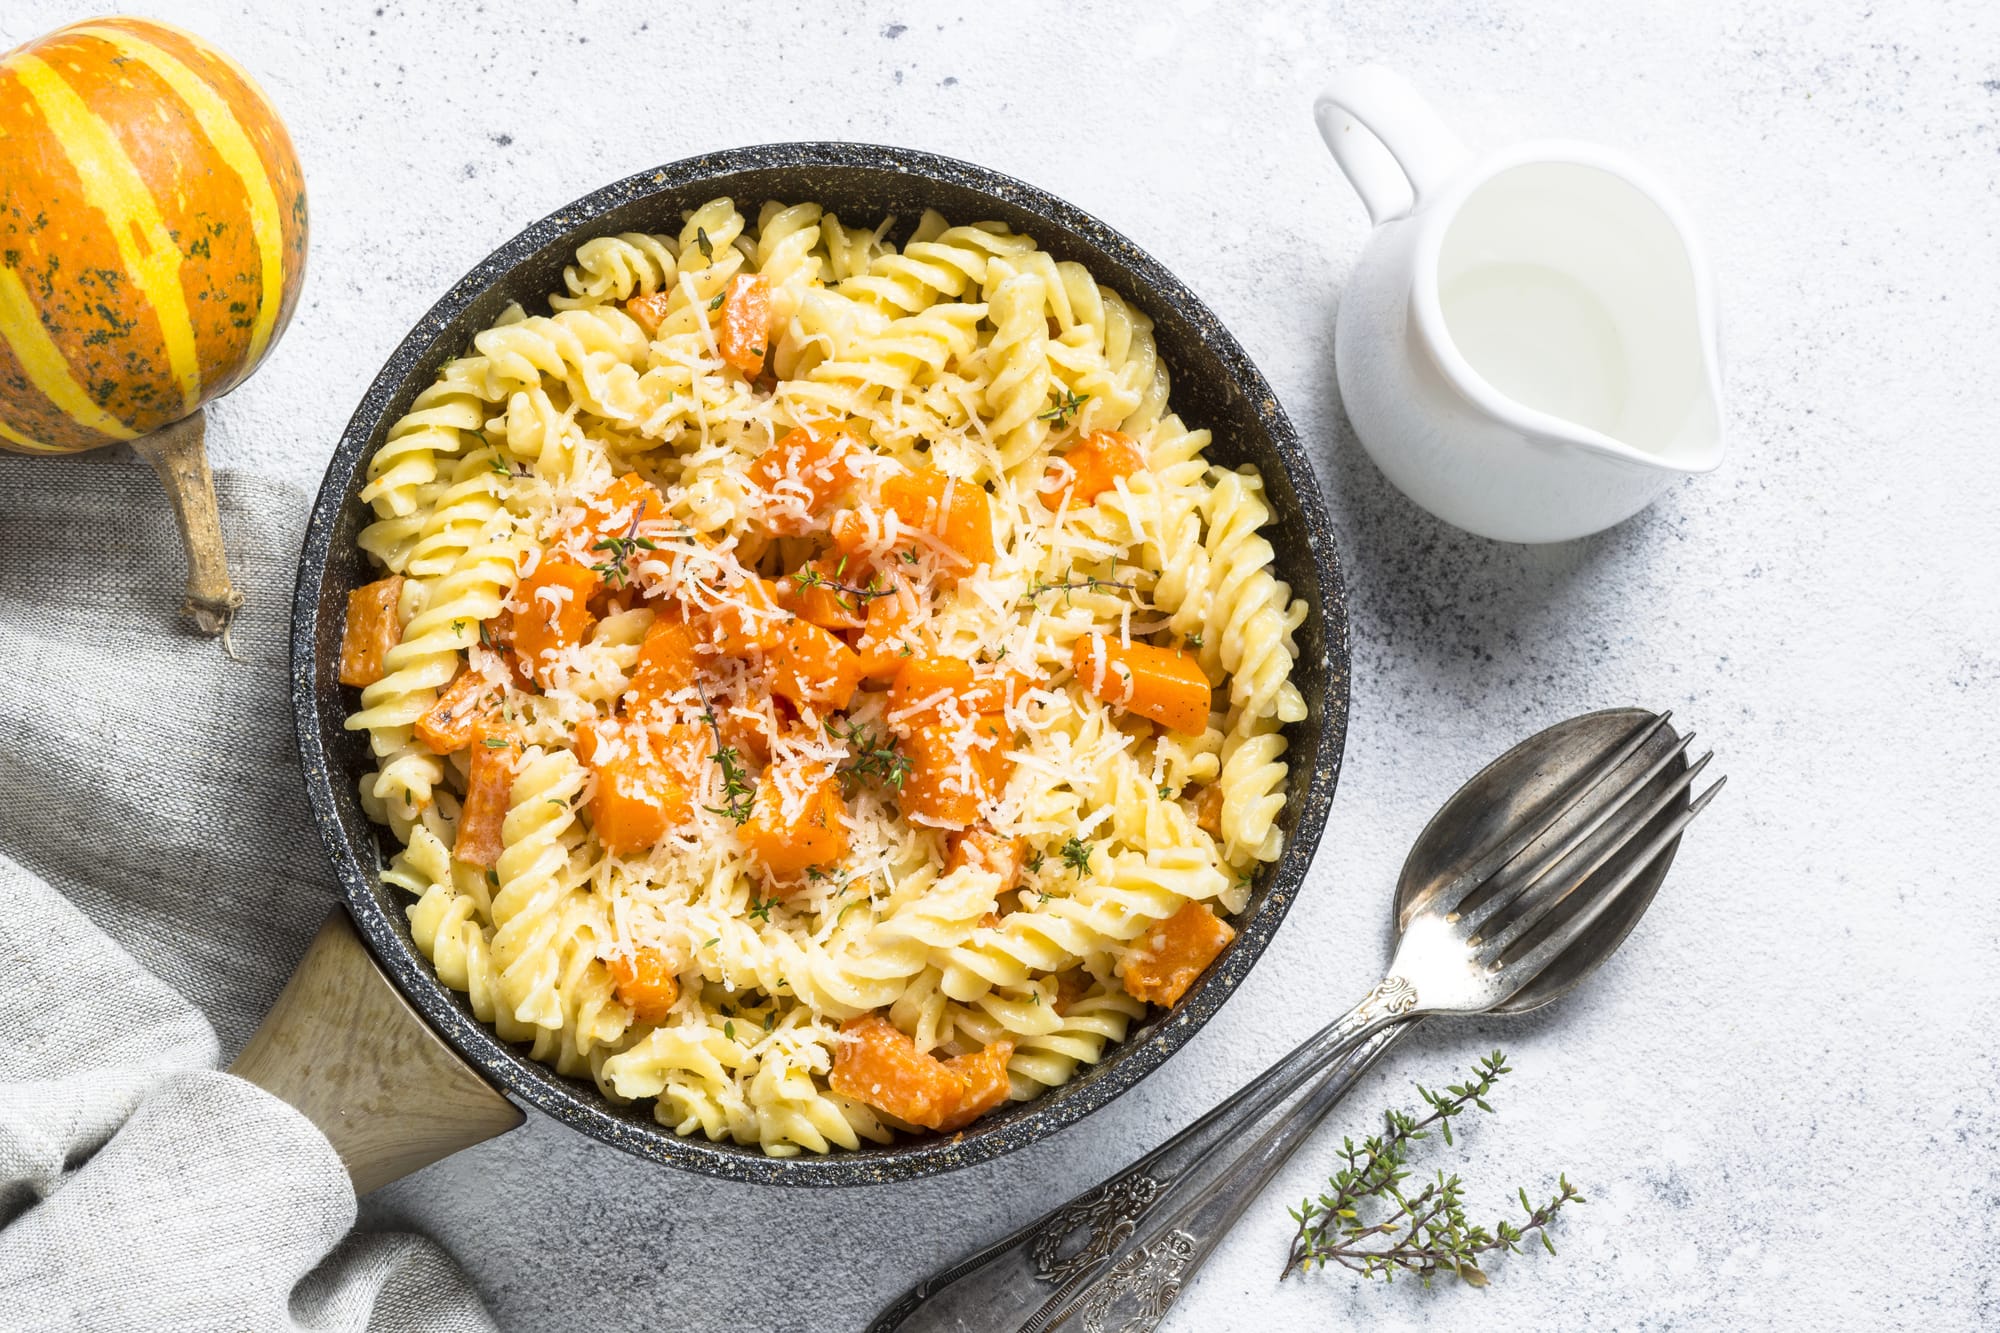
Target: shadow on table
<point>1465,613</point>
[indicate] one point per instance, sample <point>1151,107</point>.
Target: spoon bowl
<point>1524,787</point>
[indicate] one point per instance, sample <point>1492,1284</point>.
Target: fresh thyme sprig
<point>1068,404</point>
<point>616,571</point>
<point>809,577</point>
<point>1423,1232</point>
<point>875,756</point>
<point>1070,583</point>
<point>739,798</point>
<point>1076,855</point>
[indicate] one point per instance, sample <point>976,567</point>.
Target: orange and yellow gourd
<point>152,232</point>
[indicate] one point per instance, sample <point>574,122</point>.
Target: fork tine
<point>1546,952</point>
<point>1540,871</point>
<point>1451,893</point>
<point>1533,911</point>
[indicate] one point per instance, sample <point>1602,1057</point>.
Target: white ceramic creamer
<point>1527,346</point>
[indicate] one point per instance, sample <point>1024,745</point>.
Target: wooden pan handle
<point>350,1054</point>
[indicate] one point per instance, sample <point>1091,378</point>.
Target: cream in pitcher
<point>1527,346</point>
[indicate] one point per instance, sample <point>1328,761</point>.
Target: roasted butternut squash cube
<point>929,687</point>
<point>1094,464</point>
<point>629,500</point>
<point>449,724</point>
<point>554,616</point>
<point>956,512</point>
<point>650,309</point>
<point>802,472</point>
<point>745,336</point>
<point>812,668</point>
<point>877,1063</point>
<point>821,594</point>
<point>1160,965</point>
<point>667,660</point>
<point>645,780</point>
<point>1163,685</point>
<point>955,770</point>
<point>489,787</point>
<point>498,634</point>
<point>988,851</point>
<point>798,822</point>
<point>644,983</point>
<point>995,689</point>
<point>1208,810</point>
<point>849,530</point>
<point>749,620</point>
<point>885,642</point>
<point>984,1073</point>
<point>747,730</point>
<point>372,629</point>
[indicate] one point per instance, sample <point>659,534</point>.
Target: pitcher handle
<point>1406,152</point>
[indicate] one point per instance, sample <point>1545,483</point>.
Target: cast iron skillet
<point>1214,385</point>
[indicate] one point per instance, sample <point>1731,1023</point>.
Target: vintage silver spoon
<point>1529,876</point>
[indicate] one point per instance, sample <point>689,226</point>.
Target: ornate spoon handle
<point>1028,1280</point>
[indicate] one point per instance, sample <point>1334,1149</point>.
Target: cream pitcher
<point>1527,346</point>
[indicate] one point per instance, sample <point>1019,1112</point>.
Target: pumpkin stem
<point>178,454</point>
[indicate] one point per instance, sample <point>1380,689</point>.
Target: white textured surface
<point>1780,1096</point>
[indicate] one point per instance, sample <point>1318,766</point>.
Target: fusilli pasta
<point>823,689</point>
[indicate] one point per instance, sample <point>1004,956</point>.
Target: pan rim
<point>510,1068</point>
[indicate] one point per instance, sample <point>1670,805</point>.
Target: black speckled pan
<point>1214,385</point>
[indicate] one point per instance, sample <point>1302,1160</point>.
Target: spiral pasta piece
<point>1251,614</point>
<point>1082,1029</point>
<point>532,902</point>
<point>617,268</point>
<point>592,351</point>
<point>1016,361</point>
<point>437,423</point>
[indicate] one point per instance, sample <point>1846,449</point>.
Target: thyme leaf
<point>874,756</point>
<point>616,571</point>
<point>1067,405</point>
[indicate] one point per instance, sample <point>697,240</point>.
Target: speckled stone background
<point>1781,1097</point>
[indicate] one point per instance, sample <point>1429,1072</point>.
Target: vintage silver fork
<point>1523,882</point>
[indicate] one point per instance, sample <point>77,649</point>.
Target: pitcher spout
<point>1565,293</point>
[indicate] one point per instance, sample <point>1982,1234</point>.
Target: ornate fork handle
<point>1134,1294</point>
<point>1080,1254</point>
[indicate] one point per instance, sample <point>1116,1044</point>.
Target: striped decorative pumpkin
<point>152,232</point>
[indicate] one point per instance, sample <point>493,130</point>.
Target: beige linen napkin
<point>158,879</point>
